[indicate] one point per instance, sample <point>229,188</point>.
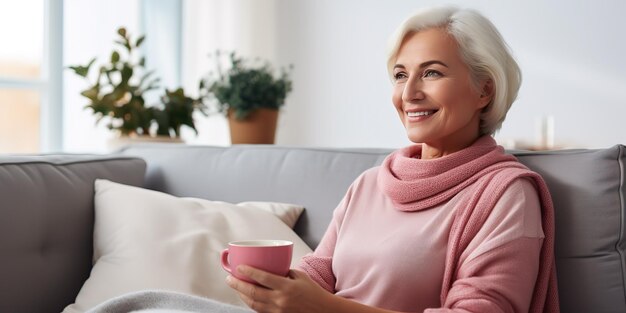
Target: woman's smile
<point>419,115</point>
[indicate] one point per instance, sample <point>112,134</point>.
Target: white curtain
<point>162,23</point>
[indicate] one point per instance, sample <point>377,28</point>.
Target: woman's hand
<point>296,293</point>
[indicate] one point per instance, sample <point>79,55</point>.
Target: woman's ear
<point>486,92</point>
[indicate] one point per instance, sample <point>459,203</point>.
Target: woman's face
<point>434,95</point>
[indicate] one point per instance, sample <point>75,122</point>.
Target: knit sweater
<point>477,248</point>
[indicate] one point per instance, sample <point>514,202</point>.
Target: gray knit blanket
<point>156,301</point>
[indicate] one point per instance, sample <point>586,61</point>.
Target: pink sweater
<point>462,233</point>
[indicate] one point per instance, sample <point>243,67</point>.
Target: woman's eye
<point>431,74</point>
<point>399,76</point>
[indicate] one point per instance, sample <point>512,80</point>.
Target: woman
<point>450,224</point>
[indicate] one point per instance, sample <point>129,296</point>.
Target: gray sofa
<point>46,213</point>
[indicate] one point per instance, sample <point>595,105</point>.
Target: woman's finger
<point>253,304</point>
<point>251,291</point>
<point>295,274</point>
<point>264,278</point>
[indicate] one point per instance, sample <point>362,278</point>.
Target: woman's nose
<point>413,90</point>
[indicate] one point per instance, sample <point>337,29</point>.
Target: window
<point>30,83</point>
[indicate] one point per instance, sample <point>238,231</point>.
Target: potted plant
<point>117,95</point>
<point>250,95</point>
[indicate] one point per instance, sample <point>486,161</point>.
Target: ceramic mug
<point>272,256</point>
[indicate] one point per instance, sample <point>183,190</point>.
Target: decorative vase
<point>119,142</point>
<point>258,128</point>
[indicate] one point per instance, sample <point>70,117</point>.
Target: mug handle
<point>225,263</point>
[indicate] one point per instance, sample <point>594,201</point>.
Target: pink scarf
<point>414,184</point>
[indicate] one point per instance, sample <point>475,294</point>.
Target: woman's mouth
<point>420,113</point>
<point>416,116</point>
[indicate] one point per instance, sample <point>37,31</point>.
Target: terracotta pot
<point>258,128</point>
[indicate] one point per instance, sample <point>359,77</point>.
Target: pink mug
<point>272,256</point>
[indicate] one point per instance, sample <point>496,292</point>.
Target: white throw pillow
<point>144,239</point>
<point>287,212</point>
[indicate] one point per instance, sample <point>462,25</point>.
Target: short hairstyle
<point>481,47</point>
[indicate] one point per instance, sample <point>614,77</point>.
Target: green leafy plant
<point>177,111</point>
<point>245,87</point>
<point>117,94</point>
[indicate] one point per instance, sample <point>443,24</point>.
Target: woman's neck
<point>437,150</point>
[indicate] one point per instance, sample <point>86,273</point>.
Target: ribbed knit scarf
<point>415,184</point>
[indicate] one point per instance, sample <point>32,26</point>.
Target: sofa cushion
<point>46,225</point>
<point>146,239</point>
<point>288,213</point>
<point>587,188</point>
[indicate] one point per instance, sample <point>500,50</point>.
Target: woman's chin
<point>416,136</point>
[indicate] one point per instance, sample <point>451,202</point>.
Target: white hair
<point>483,50</point>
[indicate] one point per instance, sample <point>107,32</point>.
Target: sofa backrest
<point>46,225</point>
<point>314,178</point>
<point>587,188</point>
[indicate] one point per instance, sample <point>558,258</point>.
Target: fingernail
<point>242,269</point>
<point>228,279</point>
